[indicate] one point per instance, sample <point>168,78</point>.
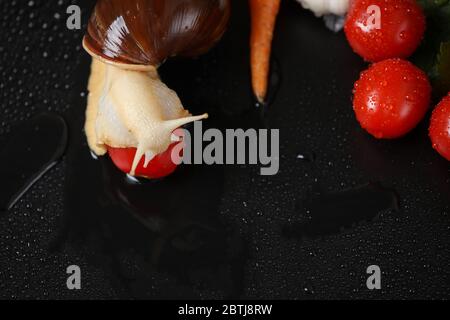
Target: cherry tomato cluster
<point>392,96</point>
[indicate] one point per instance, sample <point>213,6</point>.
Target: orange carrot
<point>264,14</point>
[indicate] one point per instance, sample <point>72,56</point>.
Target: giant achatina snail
<point>128,105</point>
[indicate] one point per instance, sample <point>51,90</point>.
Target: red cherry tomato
<point>399,32</point>
<point>440,128</point>
<point>160,166</point>
<point>391,98</point>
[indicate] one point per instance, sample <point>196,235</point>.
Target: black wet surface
<point>33,148</point>
<point>214,232</point>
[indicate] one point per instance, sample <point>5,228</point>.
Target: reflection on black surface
<point>172,224</point>
<point>329,213</point>
<point>30,150</point>
<point>392,160</point>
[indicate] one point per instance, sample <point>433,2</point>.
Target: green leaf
<point>443,69</point>
<point>433,56</point>
<point>429,5</point>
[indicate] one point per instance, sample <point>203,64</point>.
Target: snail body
<point>128,105</point>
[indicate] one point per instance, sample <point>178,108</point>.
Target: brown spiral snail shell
<point>128,105</point>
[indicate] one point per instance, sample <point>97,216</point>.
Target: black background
<point>223,236</point>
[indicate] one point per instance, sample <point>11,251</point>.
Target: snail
<point>128,104</point>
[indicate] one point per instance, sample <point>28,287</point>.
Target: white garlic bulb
<point>324,7</point>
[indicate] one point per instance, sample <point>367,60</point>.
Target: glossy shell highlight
<point>147,32</point>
